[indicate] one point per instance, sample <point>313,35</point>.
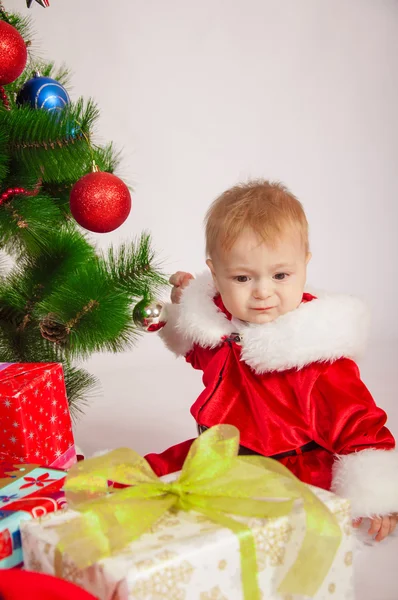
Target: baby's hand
<point>179,281</point>
<point>380,526</point>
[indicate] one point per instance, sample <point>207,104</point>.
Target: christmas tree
<point>61,299</point>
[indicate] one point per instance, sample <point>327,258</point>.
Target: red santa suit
<point>292,389</point>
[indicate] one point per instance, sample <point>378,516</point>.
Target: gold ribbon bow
<point>214,481</point>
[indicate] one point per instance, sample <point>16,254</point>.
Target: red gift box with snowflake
<point>26,491</point>
<point>34,415</point>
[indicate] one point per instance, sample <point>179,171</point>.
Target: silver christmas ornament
<point>146,316</point>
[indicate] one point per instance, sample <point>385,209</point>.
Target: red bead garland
<point>4,98</point>
<point>18,191</point>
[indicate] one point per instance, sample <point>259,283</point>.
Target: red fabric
<point>156,326</point>
<point>34,414</point>
<point>171,460</point>
<point>281,411</point>
<point>16,584</point>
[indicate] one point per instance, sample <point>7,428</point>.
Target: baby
<point>278,362</point>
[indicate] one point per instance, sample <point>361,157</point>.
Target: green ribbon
<point>214,481</point>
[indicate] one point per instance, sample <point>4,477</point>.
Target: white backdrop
<point>202,94</point>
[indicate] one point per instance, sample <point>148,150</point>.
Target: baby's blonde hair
<point>263,206</point>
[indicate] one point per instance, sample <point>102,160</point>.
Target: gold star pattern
<point>166,520</point>
<point>130,552</point>
<point>165,583</point>
<point>214,594</point>
<point>34,563</point>
<point>143,565</point>
<point>332,588</point>
<point>207,524</point>
<point>343,515</point>
<point>47,548</point>
<point>348,559</point>
<point>201,519</point>
<point>271,543</point>
<point>222,565</point>
<point>71,572</point>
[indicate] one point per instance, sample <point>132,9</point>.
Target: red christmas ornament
<point>100,202</point>
<point>13,53</point>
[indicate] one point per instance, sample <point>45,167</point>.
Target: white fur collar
<point>326,329</point>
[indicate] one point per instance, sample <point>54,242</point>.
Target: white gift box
<point>185,556</point>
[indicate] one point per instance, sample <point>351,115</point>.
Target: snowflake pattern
<point>166,520</point>
<point>271,541</point>
<point>342,512</point>
<point>34,564</point>
<point>165,583</point>
<point>71,572</point>
<point>214,594</point>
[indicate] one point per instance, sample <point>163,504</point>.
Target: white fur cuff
<point>369,479</point>
<point>173,339</point>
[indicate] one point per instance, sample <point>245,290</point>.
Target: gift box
<point>26,491</point>
<point>34,414</point>
<point>303,546</point>
<point>187,556</point>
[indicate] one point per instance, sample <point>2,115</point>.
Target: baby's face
<point>257,282</point>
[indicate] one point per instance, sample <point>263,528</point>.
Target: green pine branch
<point>132,266</point>
<point>4,158</point>
<point>96,314</point>
<point>61,300</point>
<point>80,388</point>
<point>53,147</point>
<point>24,221</point>
<point>57,254</point>
<point>22,24</point>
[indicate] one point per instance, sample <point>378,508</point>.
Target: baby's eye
<point>281,276</point>
<point>241,278</point>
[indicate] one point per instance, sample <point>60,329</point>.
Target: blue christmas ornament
<point>43,92</point>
